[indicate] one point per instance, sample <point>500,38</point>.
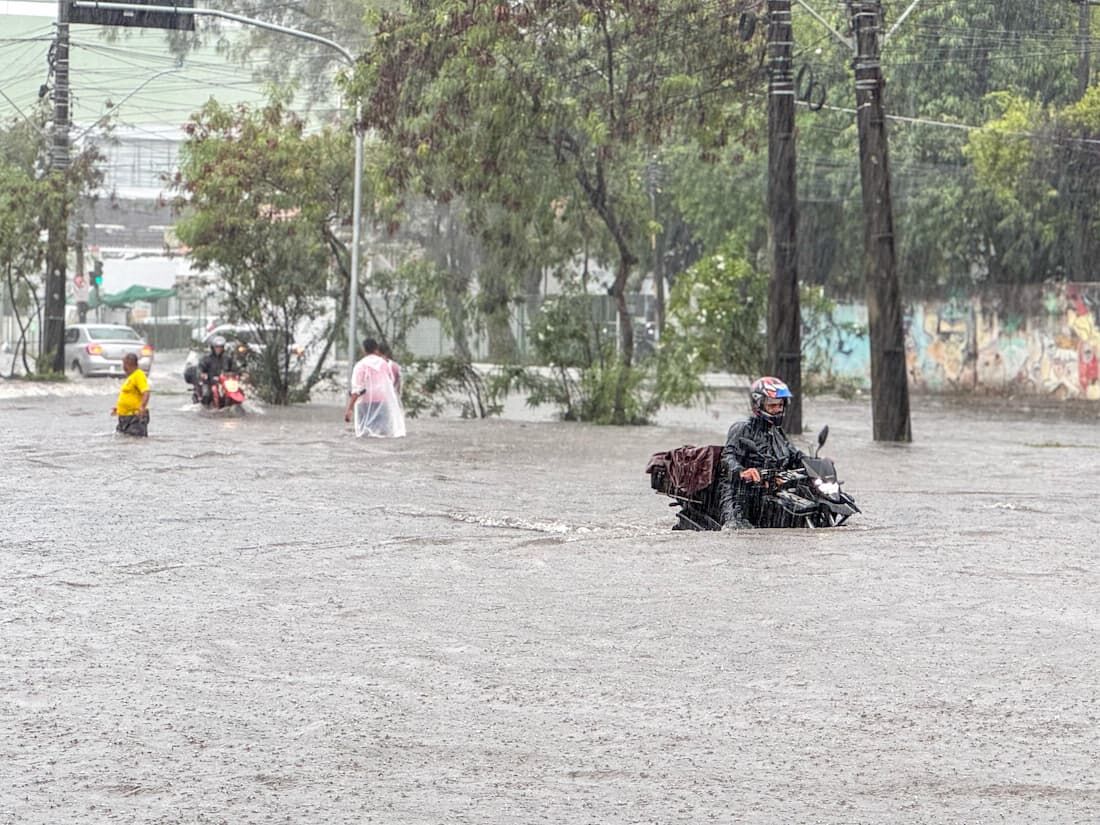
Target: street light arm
<point>228,15</point>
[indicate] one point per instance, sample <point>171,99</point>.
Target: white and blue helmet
<point>768,388</point>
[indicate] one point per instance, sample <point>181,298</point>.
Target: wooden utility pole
<point>51,347</point>
<point>784,353</point>
<point>1084,69</point>
<point>889,381</point>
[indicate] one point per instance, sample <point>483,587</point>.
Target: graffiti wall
<point>1040,340</point>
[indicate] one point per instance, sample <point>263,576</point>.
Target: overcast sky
<point>29,8</point>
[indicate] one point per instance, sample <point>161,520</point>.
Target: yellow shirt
<point>129,395</point>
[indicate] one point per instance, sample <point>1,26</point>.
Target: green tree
<point>21,251</point>
<point>1037,168</point>
<point>717,313</point>
<point>28,199</point>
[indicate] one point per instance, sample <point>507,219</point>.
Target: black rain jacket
<point>753,442</point>
<point>214,365</point>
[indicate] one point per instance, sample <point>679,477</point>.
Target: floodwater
<point>265,620</point>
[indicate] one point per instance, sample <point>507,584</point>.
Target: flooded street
<point>264,620</point>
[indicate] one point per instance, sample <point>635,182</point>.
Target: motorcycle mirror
<point>821,436</point>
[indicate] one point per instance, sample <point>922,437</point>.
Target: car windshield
<point>112,334</point>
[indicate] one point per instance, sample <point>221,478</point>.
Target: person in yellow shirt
<point>132,407</point>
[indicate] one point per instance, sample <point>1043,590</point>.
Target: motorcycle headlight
<point>827,488</point>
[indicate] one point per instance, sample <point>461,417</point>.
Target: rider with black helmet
<point>216,363</point>
<point>754,444</point>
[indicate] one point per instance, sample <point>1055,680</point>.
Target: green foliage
<point>430,387</point>
<point>716,317</point>
<point>578,371</point>
<point>1085,113</point>
<point>604,387</point>
<point>565,334</point>
<point>45,374</point>
<point>1037,171</point>
<point>720,198</point>
<point>1002,151</point>
<point>403,296</point>
<point>29,203</point>
<point>21,251</point>
<point>535,125</point>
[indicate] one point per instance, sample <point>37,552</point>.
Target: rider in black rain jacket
<point>754,444</point>
<point>217,362</point>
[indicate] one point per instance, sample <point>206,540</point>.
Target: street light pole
<point>357,189</point>
<point>357,200</point>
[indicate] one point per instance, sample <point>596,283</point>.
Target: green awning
<point>130,295</point>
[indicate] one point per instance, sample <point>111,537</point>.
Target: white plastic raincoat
<point>378,409</point>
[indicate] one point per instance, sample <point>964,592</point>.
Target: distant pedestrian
<point>373,398</point>
<point>132,407</point>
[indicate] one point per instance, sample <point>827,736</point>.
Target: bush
<point>582,372</point>
<point>429,387</point>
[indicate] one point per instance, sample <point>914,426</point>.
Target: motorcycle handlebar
<point>784,476</point>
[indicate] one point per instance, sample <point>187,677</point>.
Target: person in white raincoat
<point>373,397</point>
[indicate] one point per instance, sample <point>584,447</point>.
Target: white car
<point>97,349</point>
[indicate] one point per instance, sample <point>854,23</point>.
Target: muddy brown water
<point>263,619</point>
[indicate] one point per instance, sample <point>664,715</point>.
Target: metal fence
<point>428,338</point>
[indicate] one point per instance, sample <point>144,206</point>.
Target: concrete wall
<point>1036,340</point>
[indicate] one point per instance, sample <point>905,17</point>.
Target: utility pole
<point>51,348</point>
<point>889,381</point>
<point>1084,19</point>
<point>784,352</point>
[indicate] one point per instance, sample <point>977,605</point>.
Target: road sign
<point>133,18</point>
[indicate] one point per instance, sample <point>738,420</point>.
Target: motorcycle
<point>809,496</point>
<point>225,391</point>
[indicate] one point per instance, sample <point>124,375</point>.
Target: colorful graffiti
<point>1042,340</point>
